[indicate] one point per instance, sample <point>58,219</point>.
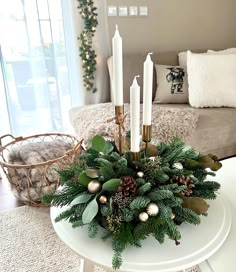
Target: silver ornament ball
<point>152,209</point>
<point>143,216</point>
<point>178,165</point>
<point>140,174</point>
<point>94,186</point>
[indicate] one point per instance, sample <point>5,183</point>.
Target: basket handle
<point>9,135</point>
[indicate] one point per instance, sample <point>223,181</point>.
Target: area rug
<point>28,243</point>
<point>167,122</point>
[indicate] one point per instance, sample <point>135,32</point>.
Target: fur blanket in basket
<point>166,122</point>
<point>30,184</point>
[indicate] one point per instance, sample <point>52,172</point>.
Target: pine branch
<point>172,230</point>
<point>64,196</point>
<point>157,195</point>
<point>173,201</point>
<point>139,202</point>
<point>164,211</point>
<point>144,189</point>
<point>92,229</point>
<point>186,215</point>
<point>105,210</point>
<point>127,215</point>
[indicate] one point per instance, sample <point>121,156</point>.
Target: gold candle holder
<point>119,118</point>
<point>147,135</point>
<point>135,156</point>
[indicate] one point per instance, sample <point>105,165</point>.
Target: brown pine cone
<point>128,186</point>
<point>184,181</point>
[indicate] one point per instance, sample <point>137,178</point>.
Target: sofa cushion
<point>171,84</point>
<point>215,132</point>
<point>211,80</point>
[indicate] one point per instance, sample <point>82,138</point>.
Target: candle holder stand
<point>147,136</point>
<point>119,118</point>
<point>135,156</point>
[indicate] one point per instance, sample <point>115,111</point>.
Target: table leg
<point>86,266</point>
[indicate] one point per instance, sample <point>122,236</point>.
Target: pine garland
<point>88,12</point>
<point>127,192</point>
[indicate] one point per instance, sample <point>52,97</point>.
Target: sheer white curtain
<point>41,71</point>
<point>38,81</point>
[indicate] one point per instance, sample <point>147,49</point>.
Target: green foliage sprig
<point>173,181</point>
<point>88,12</point>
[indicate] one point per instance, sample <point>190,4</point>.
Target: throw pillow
<point>225,52</point>
<point>171,84</point>
<point>211,80</point>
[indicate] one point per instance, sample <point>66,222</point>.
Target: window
<point>34,79</point>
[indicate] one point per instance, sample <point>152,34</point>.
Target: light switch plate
<point>133,11</point>
<point>143,11</point>
<point>123,11</point>
<point>112,11</point>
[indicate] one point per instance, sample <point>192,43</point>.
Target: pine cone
<point>128,186</point>
<point>184,181</point>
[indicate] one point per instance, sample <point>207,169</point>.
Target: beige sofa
<point>216,127</point>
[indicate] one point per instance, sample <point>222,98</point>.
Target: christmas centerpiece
<point>133,190</point>
<point>131,199</point>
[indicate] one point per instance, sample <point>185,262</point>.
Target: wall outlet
<point>133,11</point>
<point>123,11</point>
<point>143,11</point>
<point>112,11</point>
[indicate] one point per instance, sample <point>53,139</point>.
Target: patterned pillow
<point>171,84</point>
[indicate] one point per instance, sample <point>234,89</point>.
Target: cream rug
<point>28,243</point>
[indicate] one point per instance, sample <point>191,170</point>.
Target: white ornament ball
<point>172,216</point>
<point>152,209</point>
<point>94,186</point>
<point>143,216</point>
<point>178,165</point>
<point>140,174</point>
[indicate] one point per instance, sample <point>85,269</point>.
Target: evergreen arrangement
<point>88,12</point>
<point>130,200</point>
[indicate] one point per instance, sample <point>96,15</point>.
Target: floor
<point>7,199</point>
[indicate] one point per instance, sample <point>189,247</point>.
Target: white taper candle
<point>117,68</point>
<point>147,90</point>
<point>135,116</point>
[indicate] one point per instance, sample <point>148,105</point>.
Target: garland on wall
<point>89,15</point>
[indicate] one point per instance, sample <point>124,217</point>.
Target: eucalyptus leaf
<point>108,148</point>
<point>92,173</point>
<point>84,179</point>
<point>90,212</point>
<point>84,198</point>
<point>98,143</point>
<point>111,185</point>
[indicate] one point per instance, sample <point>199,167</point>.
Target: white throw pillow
<point>225,52</point>
<point>211,80</point>
<point>171,84</point>
<point>182,56</point>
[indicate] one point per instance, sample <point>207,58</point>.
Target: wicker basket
<point>20,176</point>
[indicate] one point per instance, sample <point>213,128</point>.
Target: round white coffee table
<point>224,259</point>
<point>197,244</point>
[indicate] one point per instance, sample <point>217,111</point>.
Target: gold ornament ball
<point>172,216</point>
<point>94,186</point>
<point>143,216</point>
<point>152,209</point>
<point>140,174</point>
<point>103,199</point>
